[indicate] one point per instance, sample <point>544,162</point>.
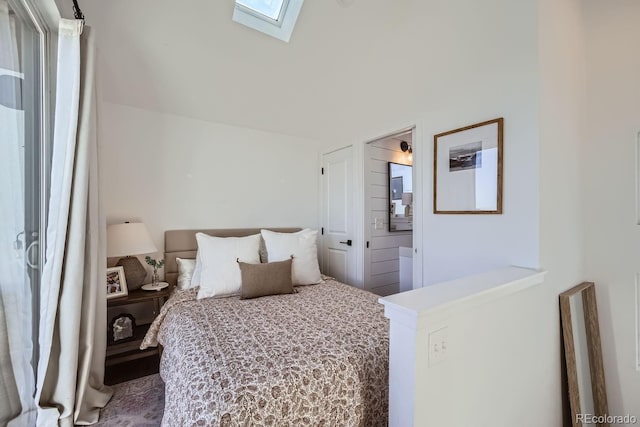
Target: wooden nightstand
<point>122,353</point>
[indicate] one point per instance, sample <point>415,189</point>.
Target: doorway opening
<point>389,188</point>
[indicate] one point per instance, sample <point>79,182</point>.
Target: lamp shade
<point>407,198</point>
<point>130,238</point>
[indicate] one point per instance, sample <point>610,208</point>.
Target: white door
<point>338,244</point>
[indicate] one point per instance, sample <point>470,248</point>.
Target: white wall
<point>471,74</point>
<point>610,171</point>
<point>173,172</point>
<point>484,378</point>
<point>381,62</point>
<point>561,132</point>
<point>459,245</point>
<point>382,259</point>
<point>562,96</point>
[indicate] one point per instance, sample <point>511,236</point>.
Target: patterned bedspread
<point>318,357</point>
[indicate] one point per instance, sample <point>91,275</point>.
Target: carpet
<point>138,403</point>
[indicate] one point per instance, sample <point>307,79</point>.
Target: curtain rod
<point>77,13</point>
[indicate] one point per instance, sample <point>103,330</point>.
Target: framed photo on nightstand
<point>122,328</point>
<point>116,283</point>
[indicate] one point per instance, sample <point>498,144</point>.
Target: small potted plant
<point>155,278</point>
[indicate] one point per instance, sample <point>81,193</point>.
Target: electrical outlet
<point>438,346</point>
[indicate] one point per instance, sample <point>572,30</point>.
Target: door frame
<point>420,157</point>
<point>418,197</point>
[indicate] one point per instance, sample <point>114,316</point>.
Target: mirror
<point>583,354</point>
<point>400,197</point>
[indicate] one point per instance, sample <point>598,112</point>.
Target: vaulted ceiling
<point>345,68</point>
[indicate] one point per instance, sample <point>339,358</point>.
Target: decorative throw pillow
<point>303,246</point>
<point>260,280</point>
<point>219,257</point>
<point>185,272</point>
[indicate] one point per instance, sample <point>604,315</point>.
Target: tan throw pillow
<point>260,280</point>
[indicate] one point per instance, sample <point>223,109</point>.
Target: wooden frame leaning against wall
<point>583,354</point>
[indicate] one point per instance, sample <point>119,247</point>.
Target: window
<point>270,8</point>
<point>25,140</point>
<point>276,18</point>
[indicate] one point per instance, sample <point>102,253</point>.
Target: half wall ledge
<point>430,354</point>
<point>411,307</point>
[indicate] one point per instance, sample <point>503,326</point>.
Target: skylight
<point>269,8</point>
<point>273,17</point>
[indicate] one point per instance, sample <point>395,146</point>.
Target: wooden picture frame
<point>467,169</point>
<point>116,283</point>
<point>581,338</point>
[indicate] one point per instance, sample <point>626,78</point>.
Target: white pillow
<point>302,245</point>
<point>220,274</point>
<point>197,272</point>
<point>185,272</point>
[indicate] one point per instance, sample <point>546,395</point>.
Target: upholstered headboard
<point>183,244</point>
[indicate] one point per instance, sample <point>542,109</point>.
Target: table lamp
<point>407,201</point>
<point>125,240</point>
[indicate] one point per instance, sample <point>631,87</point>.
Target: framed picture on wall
<point>116,283</point>
<point>396,188</point>
<point>467,169</point>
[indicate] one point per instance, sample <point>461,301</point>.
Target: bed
<point>316,357</point>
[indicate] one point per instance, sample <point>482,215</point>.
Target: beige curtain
<point>70,384</point>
